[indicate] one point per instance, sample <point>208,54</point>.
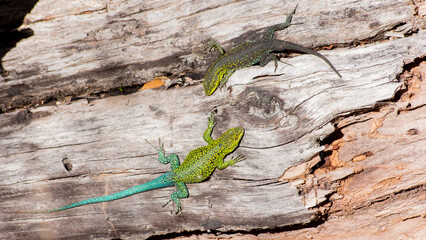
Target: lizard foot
<point>210,46</point>
<point>160,150</point>
<point>276,64</point>
<point>214,45</point>
<point>167,203</point>
<point>177,210</point>
<point>222,85</point>
<point>160,145</point>
<point>237,159</point>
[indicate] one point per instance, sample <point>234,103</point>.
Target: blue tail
<point>162,181</point>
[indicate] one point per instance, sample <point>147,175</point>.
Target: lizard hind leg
<point>181,192</point>
<point>267,57</point>
<point>233,161</point>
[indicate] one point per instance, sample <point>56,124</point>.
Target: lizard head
<point>231,138</point>
<point>212,80</point>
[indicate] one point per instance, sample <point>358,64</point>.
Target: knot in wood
<point>260,106</point>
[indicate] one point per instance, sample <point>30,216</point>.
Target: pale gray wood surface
<point>81,47</point>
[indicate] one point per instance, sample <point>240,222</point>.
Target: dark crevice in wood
<point>376,108</point>
<point>13,14</point>
<point>126,90</point>
<point>407,68</point>
<point>337,134</point>
<point>379,37</point>
<point>122,73</point>
<point>402,194</point>
<point>318,220</point>
<point>324,160</point>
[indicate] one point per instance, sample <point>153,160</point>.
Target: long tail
<point>293,46</point>
<point>160,182</point>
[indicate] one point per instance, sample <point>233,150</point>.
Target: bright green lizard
<point>249,53</point>
<point>197,166</point>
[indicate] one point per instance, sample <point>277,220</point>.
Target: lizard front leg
<point>162,158</point>
<point>216,46</point>
<point>226,77</point>
<point>233,161</point>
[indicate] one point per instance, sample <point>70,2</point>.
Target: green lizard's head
<point>212,79</point>
<point>231,138</point>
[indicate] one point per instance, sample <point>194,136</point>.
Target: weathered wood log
<point>55,155</point>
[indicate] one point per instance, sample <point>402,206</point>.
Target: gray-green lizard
<point>249,53</point>
<point>197,166</point>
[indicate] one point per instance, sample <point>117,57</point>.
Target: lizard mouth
<point>239,132</point>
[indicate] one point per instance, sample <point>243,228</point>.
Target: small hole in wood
<point>412,131</point>
<point>67,164</point>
